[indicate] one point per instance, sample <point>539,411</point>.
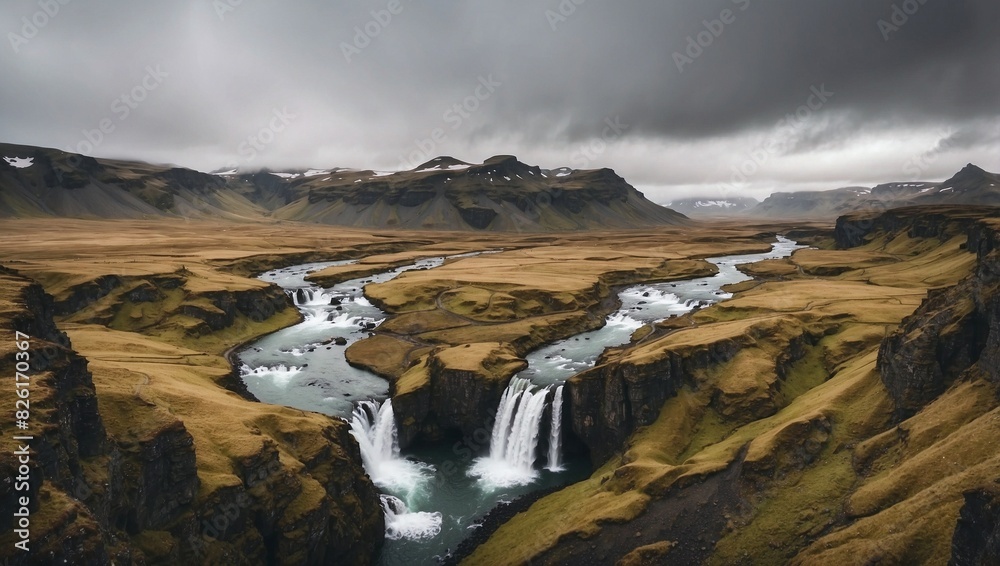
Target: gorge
<point>306,362</point>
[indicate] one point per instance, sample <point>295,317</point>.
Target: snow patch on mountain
<point>714,203</point>
<point>20,162</point>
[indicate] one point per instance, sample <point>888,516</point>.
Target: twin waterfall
<point>525,410</point>
<point>511,461</point>
<point>516,432</point>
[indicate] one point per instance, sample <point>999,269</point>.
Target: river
<point>433,494</point>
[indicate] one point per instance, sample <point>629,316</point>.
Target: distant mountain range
<point>501,194</point>
<point>709,207</point>
<point>972,185</point>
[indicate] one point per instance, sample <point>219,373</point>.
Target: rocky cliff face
<point>454,389</point>
<point>69,435</point>
<point>135,303</point>
<point>956,330</point>
<point>940,222</point>
<point>954,336</point>
<point>127,489</point>
<point>609,402</point>
<point>977,534</point>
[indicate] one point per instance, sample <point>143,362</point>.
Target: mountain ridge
<point>501,194</point>
<point>971,185</point>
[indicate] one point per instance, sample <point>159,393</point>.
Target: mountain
<point>47,182</point>
<point>972,185</point>
<point>501,194</point>
<point>712,207</point>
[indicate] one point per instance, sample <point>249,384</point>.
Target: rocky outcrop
<point>206,311</point>
<point>940,222</point>
<point>954,330</point>
<point>931,349</point>
<point>328,513</point>
<point>152,480</point>
<point>256,304</point>
<point>454,389</point>
<point>463,393</point>
<point>977,535</point>
<point>501,194</point>
<point>126,489</point>
<point>80,296</point>
<point>478,217</point>
<point>66,426</point>
<point>609,402</point>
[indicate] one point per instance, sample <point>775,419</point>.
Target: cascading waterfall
<point>374,427</point>
<point>555,433</point>
<point>505,414</point>
<point>523,435</point>
<point>516,432</point>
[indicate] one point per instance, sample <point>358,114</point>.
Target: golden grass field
<point>802,427</point>
<point>803,433</point>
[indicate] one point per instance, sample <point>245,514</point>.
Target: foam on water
<point>345,320</point>
<point>280,375</point>
<point>622,319</point>
<point>401,523</point>
<point>497,473</point>
<point>649,294</point>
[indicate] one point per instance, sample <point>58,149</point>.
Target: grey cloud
<point>604,60</point>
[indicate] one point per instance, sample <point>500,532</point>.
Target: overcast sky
<point>715,97</point>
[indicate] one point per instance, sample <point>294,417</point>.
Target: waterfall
<point>555,433</point>
<point>303,295</point>
<point>514,442</point>
<point>523,435</point>
<point>505,414</point>
<point>374,427</point>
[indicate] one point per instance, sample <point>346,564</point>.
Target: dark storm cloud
<point>698,84</point>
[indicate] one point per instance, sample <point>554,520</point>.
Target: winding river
<point>433,494</point>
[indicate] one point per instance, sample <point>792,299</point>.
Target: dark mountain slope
<point>502,194</point>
